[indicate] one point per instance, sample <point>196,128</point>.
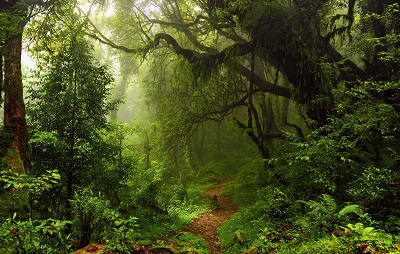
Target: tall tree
<point>14,15</point>
<point>71,101</point>
<point>14,19</point>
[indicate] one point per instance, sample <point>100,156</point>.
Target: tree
<point>70,104</point>
<point>355,155</point>
<point>14,109</point>
<point>14,16</point>
<point>294,38</point>
<point>203,96</point>
<point>238,55</point>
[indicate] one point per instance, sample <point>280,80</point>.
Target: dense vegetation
<point>133,108</point>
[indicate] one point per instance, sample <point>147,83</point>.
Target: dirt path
<point>206,225</point>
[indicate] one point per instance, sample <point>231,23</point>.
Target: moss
<point>14,200</point>
<point>5,141</point>
<point>12,161</point>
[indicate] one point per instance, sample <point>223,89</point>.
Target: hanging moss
<point>207,65</point>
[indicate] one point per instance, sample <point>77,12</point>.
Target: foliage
<point>327,216</point>
<point>189,243</point>
<point>253,176</point>
<point>69,104</point>
<point>34,186</point>
<point>34,236</point>
<point>377,186</point>
<point>238,233</point>
<point>10,20</point>
<point>31,235</point>
<point>324,163</point>
<point>377,239</point>
<point>90,212</point>
<point>155,224</point>
<point>278,207</point>
<point>118,161</point>
<point>123,234</point>
<point>324,227</point>
<point>20,185</point>
<point>96,221</point>
<point>79,86</point>
<point>345,172</point>
<point>347,156</point>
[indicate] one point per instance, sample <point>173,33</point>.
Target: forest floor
<point>206,225</point>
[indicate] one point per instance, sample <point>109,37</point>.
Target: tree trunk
<point>71,152</point>
<point>201,143</point>
<point>14,107</point>
<point>1,77</point>
<point>147,148</point>
<point>118,94</point>
<point>219,139</point>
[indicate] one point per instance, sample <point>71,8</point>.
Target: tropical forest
<point>199,126</point>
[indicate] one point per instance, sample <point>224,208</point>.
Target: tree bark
<point>1,77</point>
<point>14,107</point>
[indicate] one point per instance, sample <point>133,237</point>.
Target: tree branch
<point>175,24</point>
<point>262,84</point>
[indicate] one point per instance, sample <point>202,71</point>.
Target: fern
<point>326,213</point>
<point>356,209</point>
<point>325,205</point>
<point>360,229</point>
<point>329,203</point>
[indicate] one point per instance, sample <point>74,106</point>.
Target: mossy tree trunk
<point>14,107</point>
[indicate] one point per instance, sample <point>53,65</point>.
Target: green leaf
<point>367,231</point>
<point>350,209</point>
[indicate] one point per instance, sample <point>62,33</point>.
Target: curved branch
<point>299,131</point>
<point>199,59</point>
<point>262,84</point>
<point>174,24</point>
<point>188,54</point>
<point>111,44</point>
<point>221,113</point>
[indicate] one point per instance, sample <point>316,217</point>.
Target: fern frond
<point>350,209</point>
<point>328,202</point>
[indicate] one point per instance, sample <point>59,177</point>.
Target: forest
<point>199,126</point>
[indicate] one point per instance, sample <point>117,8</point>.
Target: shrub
<point>91,215</point>
<point>378,189</point>
<point>34,236</point>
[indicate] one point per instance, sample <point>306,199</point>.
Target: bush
<point>91,215</point>
<point>96,221</point>
<point>378,189</point>
<point>34,236</point>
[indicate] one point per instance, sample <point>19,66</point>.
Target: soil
<point>206,225</point>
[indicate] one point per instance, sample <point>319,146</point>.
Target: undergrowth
<point>275,224</point>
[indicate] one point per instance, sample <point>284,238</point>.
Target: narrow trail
<point>206,225</point>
